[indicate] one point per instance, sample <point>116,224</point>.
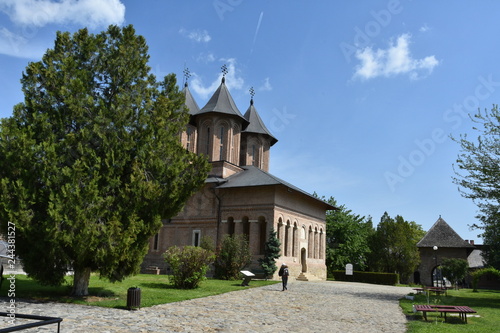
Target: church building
<point>240,196</point>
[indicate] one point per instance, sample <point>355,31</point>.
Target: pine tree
<point>91,161</point>
<point>271,253</point>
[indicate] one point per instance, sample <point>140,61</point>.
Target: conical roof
<point>442,235</point>
<point>256,124</point>
<point>222,102</point>
<point>190,102</point>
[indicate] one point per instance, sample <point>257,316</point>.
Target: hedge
<point>390,279</point>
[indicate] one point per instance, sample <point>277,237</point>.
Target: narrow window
<point>208,141</point>
<point>196,237</point>
<point>221,146</point>
<point>253,155</point>
<point>156,242</point>
<point>188,141</point>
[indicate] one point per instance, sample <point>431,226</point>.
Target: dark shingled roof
<point>222,102</point>
<point>190,102</point>
<point>256,124</point>
<point>253,176</point>
<point>442,235</point>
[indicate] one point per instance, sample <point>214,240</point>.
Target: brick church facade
<point>240,196</point>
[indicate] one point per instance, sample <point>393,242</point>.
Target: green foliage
<point>394,247</point>
<point>189,265</point>
<point>91,160</point>
<point>455,269</point>
<point>272,252</point>
<point>390,279</point>
<point>347,237</point>
<point>232,255</point>
<point>478,178</point>
<point>476,275</point>
<point>155,290</point>
<point>207,243</point>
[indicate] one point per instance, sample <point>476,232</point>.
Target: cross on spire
<point>187,75</point>
<point>224,70</point>
<point>252,94</point>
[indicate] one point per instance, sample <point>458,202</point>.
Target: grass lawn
<point>155,289</point>
<point>485,302</point>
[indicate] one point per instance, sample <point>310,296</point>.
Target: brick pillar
<point>238,227</point>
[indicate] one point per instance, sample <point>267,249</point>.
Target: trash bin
<point>133,298</point>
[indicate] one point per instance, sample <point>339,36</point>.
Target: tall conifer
<point>91,161</point>
<point>272,252</point>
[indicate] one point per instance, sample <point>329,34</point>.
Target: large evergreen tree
<point>272,252</point>
<point>479,178</point>
<point>347,237</point>
<point>393,246</point>
<point>91,162</point>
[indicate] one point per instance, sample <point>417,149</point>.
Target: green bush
<point>390,279</point>
<point>189,265</point>
<point>480,272</point>
<point>233,254</point>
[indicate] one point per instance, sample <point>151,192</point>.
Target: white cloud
<point>424,28</point>
<point>395,60</point>
<point>199,36</point>
<point>233,81</point>
<point>38,13</point>
<point>205,58</point>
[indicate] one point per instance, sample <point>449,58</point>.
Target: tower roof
<point>190,102</point>
<point>256,124</point>
<point>442,235</point>
<point>222,102</point>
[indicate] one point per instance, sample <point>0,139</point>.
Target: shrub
<point>189,265</point>
<point>233,254</point>
<point>480,272</point>
<point>390,279</point>
<point>455,269</point>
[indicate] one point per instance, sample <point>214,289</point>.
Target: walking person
<point>284,273</point>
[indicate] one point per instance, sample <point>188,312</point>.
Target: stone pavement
<point>305,307</point>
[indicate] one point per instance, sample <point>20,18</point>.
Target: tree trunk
<point>81,282</point>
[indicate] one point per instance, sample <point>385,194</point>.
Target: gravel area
<point>305,307</point>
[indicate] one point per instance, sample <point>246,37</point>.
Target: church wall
<point>302,242</point>
<point>298,201</point>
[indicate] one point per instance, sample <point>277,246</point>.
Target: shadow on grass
<point>154,285</point>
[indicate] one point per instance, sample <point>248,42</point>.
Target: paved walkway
<point>305,307</point>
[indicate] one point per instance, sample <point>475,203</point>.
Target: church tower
<point>223,134</point>
<point>256,140</point>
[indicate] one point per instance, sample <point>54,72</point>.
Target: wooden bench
<point>419,290</point>
<point>461,310</point>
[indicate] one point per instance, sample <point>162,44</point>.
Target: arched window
<point>262,234</point>
<point>221,143</point>
<point>230,226</point>
<point>207,143</point>
<point>189,134</point>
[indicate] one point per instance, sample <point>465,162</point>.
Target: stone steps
<point>307,277</point>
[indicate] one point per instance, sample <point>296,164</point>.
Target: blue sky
<point>361,95</point>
